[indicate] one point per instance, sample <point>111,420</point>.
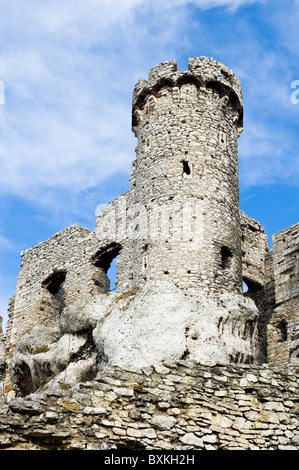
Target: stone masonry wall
<point>283,329</point>
<point>179,406</point>
<point>53,274</point>
<point>115,227</point>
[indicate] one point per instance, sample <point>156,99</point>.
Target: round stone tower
<point>187,219</point>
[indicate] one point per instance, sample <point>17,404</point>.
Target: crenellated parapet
<point>205,73</point>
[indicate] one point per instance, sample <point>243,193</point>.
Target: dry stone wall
<point>183,249</point>
<point>181,406</point>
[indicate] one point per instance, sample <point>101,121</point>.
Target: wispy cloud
<point>68,76</point>
<point>6,244</point>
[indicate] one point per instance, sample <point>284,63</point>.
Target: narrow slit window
<point>222,139</point>
<point>187,168</point>
<point>226,256</point>
<point>144,264</point>
<point>282,329</point>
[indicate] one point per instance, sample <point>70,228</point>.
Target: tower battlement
<point>205,73</point>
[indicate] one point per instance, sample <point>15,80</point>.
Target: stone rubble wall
<point>2,357</point>
<point>68,251</point>
<point>283,328</point>
<point>179,406</point>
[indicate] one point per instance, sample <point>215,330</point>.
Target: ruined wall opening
<point>25,382</point>
<point>105,260</point>
<point>53,282</point>
<point>226,257</point>
<point>112,273</point>
<point>54,286</point>
<point>250,287</point>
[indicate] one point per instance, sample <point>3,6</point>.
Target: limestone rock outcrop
<point>139,328</point>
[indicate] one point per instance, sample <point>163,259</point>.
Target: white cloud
<point>6,244</point>
<point>69,69</point>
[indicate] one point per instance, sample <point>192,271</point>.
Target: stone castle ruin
<point>184,251</point>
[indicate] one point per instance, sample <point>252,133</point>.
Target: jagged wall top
<point>203,71</point>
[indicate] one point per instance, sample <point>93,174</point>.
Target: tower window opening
<point>144,263</point>
<point>106,259</point>
<point>187,168</point>
<point>282,329</point>
<point>222,139</point>
<point>226,256</point>
<point>250,287</point>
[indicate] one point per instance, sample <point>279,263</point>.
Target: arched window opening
<point>105,259</point>
<point>54,286</point>
<point>53,282</point>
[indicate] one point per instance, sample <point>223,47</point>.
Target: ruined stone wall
<point>183,248</point>
<point>2,359</point>
<point>53,274</point>
<point>265,301</point>
<point>283,329</point>
<point>181,406</point>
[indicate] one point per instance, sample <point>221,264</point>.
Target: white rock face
<point>161,323</point>
<point>139,328</point>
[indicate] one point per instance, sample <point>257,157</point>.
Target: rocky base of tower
<point>140,328</point>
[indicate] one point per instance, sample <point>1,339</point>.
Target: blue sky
<point>67,72</point>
